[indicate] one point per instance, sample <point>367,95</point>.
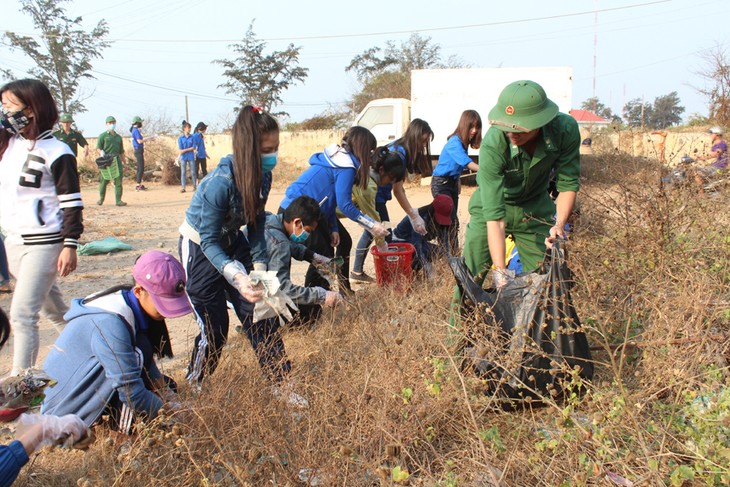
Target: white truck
<point>438,96</point>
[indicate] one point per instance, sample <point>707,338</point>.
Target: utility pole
<point>187,113</point>
<point>595,55</point>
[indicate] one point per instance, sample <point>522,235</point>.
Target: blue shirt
<point>136,135</point>
<point>186,143</point>
<point>453,159</point>
<point>199,143</point>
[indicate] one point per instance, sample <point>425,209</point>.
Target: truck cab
<point>386,118</point>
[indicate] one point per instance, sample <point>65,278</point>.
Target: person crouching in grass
<point>104,358</point>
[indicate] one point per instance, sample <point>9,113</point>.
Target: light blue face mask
<point>268,161</point>
<point>301,238</point>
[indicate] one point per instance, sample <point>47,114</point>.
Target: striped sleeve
<point>66,179</point>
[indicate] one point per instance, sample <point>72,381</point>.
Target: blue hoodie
<point>94,357</point>
<point>329,181</point>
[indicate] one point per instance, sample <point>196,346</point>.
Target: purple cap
<point>163,277</point>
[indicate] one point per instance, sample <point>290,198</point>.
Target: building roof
<point>586,116</point>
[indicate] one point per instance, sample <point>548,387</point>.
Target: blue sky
<point>644,47</point>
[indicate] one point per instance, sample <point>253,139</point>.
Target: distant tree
<point>716,74</point>
<point>331,119</point>
<point>600,109</point>
<point>386,73</point>
<point>666,111</point>
<point>257,78</point>
<point>697,120</point>
<point>637,115</point>
<point>64,55</point>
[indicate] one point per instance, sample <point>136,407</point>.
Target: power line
<point>409,31</point>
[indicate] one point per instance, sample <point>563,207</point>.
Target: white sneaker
<point>285,392</point>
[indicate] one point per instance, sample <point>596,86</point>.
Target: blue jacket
<point>453,159</point>
<point>281,251</point>
<point>94,357</point>
<point>216,214</point>
<point>199,144</point>
<point>329,181</point>
<point>12,459</point>
<point>186,143</point>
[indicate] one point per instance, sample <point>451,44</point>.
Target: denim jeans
<point>36,290</point>
<point>4,273</point>
<point>184,166</point>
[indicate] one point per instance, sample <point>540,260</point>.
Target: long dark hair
<point>250,125</point>
<point>4,328</point>
<point>360,142</point>
<point>418,153</point>
<point>36,96</point>
<point>469,119</point>
<point>391,164</point>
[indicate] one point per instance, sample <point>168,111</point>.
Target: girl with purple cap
<point>104,359</point>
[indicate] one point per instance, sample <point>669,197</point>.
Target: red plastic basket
<point>393,266</point>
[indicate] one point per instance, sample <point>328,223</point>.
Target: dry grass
<point>651,266</point>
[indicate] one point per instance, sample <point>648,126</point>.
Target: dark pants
<point>208,291</point>
<point>201,164</point>
<point>320,241</point>
<point>4,273</point>
<point>363,245</point>
<point>450,187</point>
<point>343,250</point>
<point>139,155</point>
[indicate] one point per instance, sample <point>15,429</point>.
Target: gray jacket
<point>281,250</point>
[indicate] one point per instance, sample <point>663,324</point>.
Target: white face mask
<point>111,126</point>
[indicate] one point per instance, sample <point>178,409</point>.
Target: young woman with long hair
<point>453,160</point>
<point>216,254</point>
<point>414,149</point>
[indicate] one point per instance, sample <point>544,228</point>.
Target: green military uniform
<point>514,186</point>
<point>111,144</point>
<point>72,139</point>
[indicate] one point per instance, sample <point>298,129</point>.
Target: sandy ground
<point>150,221</point>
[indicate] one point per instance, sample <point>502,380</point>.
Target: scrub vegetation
<point>391,406</point>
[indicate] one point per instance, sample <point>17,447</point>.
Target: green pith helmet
<point>66,117</point>
<point>110,119</point>
<point>137,120</point>
<point>522,106</point>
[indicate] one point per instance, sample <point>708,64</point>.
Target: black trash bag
<point>533,330</point>
<point>104,161</point>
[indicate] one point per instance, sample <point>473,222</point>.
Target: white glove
<point>379,230</point>
<point>332,299</point>
<point>55,429</point>
<point>417,222</point>
<point>502,277</point>
<point>320,259</point>
<point>236,275</point>
<point>275,302</point>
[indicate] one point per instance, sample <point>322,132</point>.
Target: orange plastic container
<point>394,266</point>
